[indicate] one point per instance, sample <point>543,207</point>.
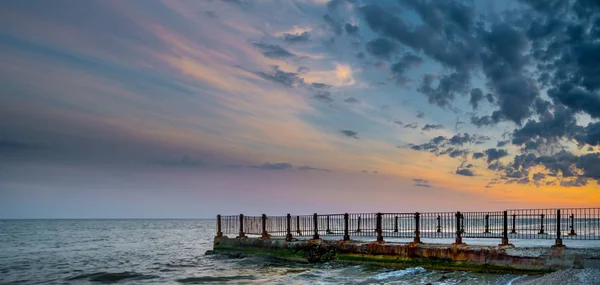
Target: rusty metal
<point>378,228</point>
<point>219,231</point>
<point>578,224</point>
<point>288,235</point>
<point>514,218</point>
<point>346,232</point>
<point>241,233</point>
<point>558,241</point>
<point>504,228</point>
<point>572,232</point>
<point>459,231</point>
<point>316,226</point>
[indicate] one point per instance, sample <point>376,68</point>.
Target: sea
<point>173,252</point>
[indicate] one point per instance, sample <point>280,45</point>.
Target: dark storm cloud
<point>478,155</point>
<point>421,182</point>
<point>273,51</point>
<point>296,38</point>
<point>495,154</point>
<point>351,29</point>
<point>476,97</point>
<point>406,62</point>
<point>429,127</point>
<point>334,24</point>
<point>289,79</point>
<point>351,100</point>
<point>465,172</point>
<point>381,48</point>
<point>349,133</point>
<point>551,127</point>
<point>323,96</point>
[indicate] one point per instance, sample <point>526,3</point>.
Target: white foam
<point>398,273</point>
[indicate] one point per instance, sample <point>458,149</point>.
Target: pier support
<point>288,236</point>
<point>458,240</point>
<point>241,234</point>
<point>379,228</point>
<point>346,233</point>
<point>316,221</point>
<point>558,242</point>
<point>219,232</point>
<point>417,228</point>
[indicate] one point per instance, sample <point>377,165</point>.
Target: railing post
<point>358,225</point>
<point>379,229</point>
<point>396,224</point>
<point>328,231</point>
<point>417,227</point>
<point>439,224</point>
<point>298,231</point>
<point>346,234</point>
<point>572,233</point>
<point>505,228</point>
<point>458,232</point>
<point>558,242</point>
<point>462,223</point>
<point>265,235</point>
<point>541,224</point>
<point>219,232</point>
<point>487,224</point>
<point>315,221</point>
<point>241,234</point>
<point>288,236</point>
<point>514,229</point>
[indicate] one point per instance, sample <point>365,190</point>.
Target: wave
<point>398,273</point>
<point>113,277</point>
<point>219,279</point>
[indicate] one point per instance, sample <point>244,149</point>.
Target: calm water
<point>171,252</point>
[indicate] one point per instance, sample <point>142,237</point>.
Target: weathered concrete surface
<point>432,256</point>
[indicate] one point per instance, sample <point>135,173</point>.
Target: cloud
<point>421,182</point>
<point>406,62</point>
<point>411,126</point>
<point>429,127</point>
<point>476,97</point>
<point>185,161</point>
<point>420,115</point>
<point>273,51</point>
<point>319,85</point>
<point>381,48</point>
<point>351,100</point>
<point>323,96</point>
<point>9,146</point>
<point>334,25</point>
<point>465,172</point>
<point>351,30</point>
<point>310,168</point>
<point>349,133</point>
<point>289,79</point>
<point>495,154</point>
<point>478,155</point>
<point>296,38</point>
<point>274,166</point>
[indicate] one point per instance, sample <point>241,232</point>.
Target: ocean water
<point>172,252</point>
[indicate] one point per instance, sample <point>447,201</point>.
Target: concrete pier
<point>495,259</point>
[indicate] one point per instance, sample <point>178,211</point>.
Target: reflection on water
<point>172,252</point>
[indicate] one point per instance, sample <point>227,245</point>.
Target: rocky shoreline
<point>586,276</point>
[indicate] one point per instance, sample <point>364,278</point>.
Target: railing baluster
<point>316,226</point>
<point>378,228</point>
<point>219,232</point>
<point>241,234</point>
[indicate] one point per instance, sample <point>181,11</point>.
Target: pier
<point>436,240</point>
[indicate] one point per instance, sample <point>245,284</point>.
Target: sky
<point>189,109</point>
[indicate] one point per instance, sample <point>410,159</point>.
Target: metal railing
<point>557,224</point>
